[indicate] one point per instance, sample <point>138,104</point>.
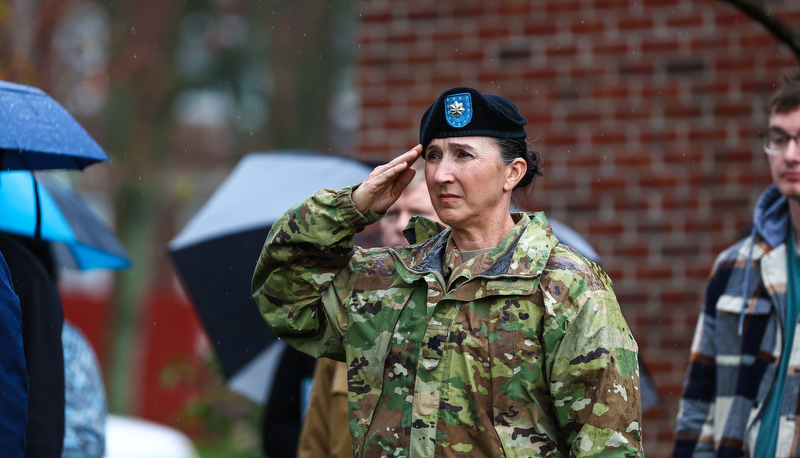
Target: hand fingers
<point>386,182</point>
<point>404,179</point>
<point>388,172</point>
<point>412,155</point>
<point>409,157</point>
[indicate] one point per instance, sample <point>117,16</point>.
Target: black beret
<point>465,112</point>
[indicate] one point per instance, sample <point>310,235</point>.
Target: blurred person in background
<point>85,397</point>
<point>742,388</point>
<point>32,272</point>
<point>485,337</point>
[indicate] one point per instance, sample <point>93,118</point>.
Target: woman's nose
<point>444,171</point>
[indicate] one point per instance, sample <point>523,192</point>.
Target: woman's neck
<point>487,235</point>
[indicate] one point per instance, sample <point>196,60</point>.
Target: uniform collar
<point>524,251</point>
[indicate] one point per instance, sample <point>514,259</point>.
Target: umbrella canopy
<point>65,217</point>
<point>216,253</point>
<point>37,133</point>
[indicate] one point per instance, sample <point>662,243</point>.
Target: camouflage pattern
<point>521,352</point>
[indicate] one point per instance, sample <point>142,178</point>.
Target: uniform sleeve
<point>306,249</point>
<point>699,392</point>
<point>594,379</point>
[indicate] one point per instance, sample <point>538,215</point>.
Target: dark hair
<point>787,98</point>
<point>512,148</point>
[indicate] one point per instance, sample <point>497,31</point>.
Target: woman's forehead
<point>461,143</point>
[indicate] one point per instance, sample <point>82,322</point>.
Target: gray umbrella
<point>216,253</point>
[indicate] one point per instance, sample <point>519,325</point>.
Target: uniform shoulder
<point>564,258</point>
<point>568,275</point>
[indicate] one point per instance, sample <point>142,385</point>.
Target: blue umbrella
<point>64,217</point>
<point>37,133</point>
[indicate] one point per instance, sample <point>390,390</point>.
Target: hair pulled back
<point>512,148</point>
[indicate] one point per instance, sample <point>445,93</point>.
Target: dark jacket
<point>286,404</point>
<point>42,321</point>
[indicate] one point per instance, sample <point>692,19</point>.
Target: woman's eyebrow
<point>464,146</point>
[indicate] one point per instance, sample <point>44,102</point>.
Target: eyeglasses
<point>776,142</point>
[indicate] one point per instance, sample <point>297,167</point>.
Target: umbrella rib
<point>37,233</point>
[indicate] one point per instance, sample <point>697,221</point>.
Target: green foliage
<point>220,422</point>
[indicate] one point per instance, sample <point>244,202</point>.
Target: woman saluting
<point>483,338</point>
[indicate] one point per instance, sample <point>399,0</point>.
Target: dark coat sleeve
<point>283,413</point>
<point>13,377</point>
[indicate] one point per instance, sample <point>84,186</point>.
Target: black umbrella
<point>39,134</point>
<point>216,253</point>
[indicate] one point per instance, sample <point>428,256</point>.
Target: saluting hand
<point>384,185</point>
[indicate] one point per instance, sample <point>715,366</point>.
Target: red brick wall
<point>646,113</point>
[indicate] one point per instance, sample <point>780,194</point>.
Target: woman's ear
<point>516,171</point>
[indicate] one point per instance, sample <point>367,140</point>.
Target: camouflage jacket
<point>530,356</point>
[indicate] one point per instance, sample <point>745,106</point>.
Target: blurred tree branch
<point>782,31</point>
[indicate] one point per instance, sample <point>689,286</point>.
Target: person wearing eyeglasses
<point>742,385</point>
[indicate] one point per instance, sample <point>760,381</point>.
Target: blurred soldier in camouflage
<point>483,338</point>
